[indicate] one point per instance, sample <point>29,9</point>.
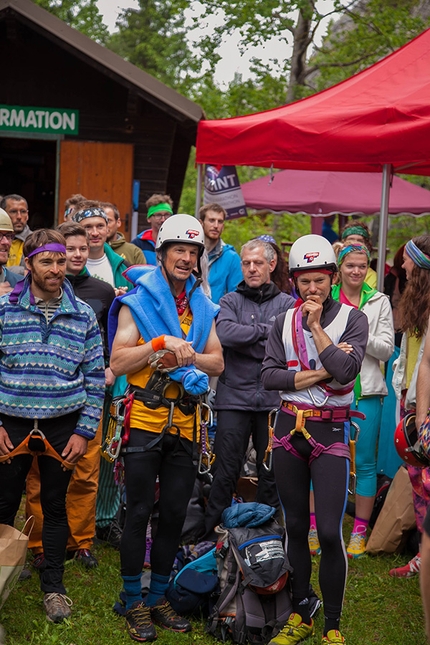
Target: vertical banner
<point>222,186</point>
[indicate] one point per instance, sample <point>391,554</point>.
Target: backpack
<point>253,570</point>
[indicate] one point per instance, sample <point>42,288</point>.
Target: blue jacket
<point>12,277</point>
<point>225,271</point>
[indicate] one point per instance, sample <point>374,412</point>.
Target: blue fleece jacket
<point>225,271</point>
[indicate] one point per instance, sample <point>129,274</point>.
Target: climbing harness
<point>36,444</point>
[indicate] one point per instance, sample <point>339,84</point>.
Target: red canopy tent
<point>321,193</point>
<point>380,116</point>
<point>378,120</point>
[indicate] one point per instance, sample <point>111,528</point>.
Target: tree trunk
<point>302,40</point>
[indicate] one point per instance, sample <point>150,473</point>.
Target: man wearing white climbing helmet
<point>167,346</point>
<point>313,355</point>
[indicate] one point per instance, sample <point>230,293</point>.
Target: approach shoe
<point>333,636</point>
<point>294,631</point>
<point>357,545</point>
<point>164,615</point>
<point>139,624</point>
<point>86,558</point>
<point>409,570</point>
<point>57,607</point>
<point>111,534</point>
<point>314,543</point>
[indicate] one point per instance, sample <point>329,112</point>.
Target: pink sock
<point>313,522</point>
<point>360,525</point>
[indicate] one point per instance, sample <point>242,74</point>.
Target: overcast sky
<point>231,61</point>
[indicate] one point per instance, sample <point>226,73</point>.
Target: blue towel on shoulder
<point>154,311</point>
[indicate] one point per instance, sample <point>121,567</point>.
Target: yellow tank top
<point>154,420</point>
<point>15,253</point>
<point>412,351</point>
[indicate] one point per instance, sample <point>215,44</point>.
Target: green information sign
<point>16,118</point>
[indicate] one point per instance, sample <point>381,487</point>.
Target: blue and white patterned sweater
<point>50,369</point>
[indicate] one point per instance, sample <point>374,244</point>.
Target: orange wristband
<point>158,343</point>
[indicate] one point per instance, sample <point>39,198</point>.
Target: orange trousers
<point>80,503</point>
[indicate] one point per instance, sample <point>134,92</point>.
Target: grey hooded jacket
<point>243,325</point>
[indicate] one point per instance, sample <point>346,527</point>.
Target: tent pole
<point>383,224</point>
<point>199,189</point>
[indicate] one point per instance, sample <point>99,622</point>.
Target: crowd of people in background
<point>157,324</point>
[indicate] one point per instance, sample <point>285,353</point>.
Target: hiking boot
<point>24,575</point>
<point>139,624</point>
<point>294,631</point>
<point>164,615</point>
<point>314,543</point>
<point>409,570</point>
<point>110,534</point>
<point>333,636</point>
<point>57,607</point>
<point>357,546</point>
<point>39,562</point>
<point>85,557</point>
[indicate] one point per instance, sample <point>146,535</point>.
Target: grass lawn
<point>378,609</point>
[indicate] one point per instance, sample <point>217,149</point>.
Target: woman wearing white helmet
<point>313,356</point>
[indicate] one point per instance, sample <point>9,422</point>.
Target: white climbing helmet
<point>179,229</point>
<point>310,253</point>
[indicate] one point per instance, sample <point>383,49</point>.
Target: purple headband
<point>54,248</point>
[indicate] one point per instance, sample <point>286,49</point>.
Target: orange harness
<point>36,444</point>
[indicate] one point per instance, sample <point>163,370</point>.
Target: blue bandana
<point>417,256</point>
<point>90,212</point>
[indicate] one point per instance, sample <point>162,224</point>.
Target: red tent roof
<point>322,193</point>
<point>379,116</point>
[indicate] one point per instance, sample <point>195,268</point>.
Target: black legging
<point>329,474</point>
<point>234,428</point>
<point>171,460</point>
<point>54,482</point>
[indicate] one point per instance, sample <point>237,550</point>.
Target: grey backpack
<point>253,571</point>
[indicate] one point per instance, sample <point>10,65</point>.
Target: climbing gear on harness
<point>36,444</point>
<point>153,395</point>
<point>268,455</point>
<point>206,457</point>
<point>111,445</point>
<point>163,360</point>
<point>352,467</point>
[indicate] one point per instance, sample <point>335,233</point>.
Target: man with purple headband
<point>53,338</point>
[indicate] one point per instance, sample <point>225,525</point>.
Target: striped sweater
<point>50,369</point>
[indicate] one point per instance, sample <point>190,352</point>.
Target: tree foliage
<point>154,37</point>
<point>367,32</point>
<point>83,15</point>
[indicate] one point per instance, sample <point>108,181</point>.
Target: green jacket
<point>129,252</point>
<point>118,265</point>
<point>366,293</point>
